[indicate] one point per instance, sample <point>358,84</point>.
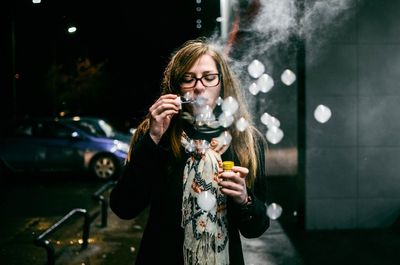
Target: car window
<point>96,127</point>
<point>53,130</point>
<point>87,127</point>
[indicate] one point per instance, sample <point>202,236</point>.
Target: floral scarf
<point>204,216</point>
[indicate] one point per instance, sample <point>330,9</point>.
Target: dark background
<point>131,40</point>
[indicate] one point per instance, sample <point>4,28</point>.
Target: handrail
<point>40,241</point>
<point>103,201</point>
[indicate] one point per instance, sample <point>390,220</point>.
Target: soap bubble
<point>274,134</point>
<point>225,120</point>
<point>203,146</point>
<point>179,101</point>
<point>190,147</point>
<point>230,105</point>
<point>270,121</point>
<point>274,211</point>
<point>265,118</point>
<point>274,122</point>
<point>265,83</point>
<point>288,77</point>
<point>206,200</point>
<point>241,124</point>
<point>254,89</point>
<point>187,96</point>
<point>226,138</point>
<point>204,115</point>
<point>256,68</point>
<point>322,113</point>
<point>219,101</point>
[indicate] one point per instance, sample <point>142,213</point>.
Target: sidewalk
<point>279,246</point>
<point>117,244</point>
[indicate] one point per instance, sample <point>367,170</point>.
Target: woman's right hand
<point>161,113</point>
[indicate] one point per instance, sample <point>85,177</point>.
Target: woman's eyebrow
<point>204,72</point>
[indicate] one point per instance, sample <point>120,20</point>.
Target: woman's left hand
<point>233,183</point>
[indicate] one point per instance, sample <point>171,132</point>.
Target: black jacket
<point>153,177</point>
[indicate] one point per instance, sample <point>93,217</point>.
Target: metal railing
<point>41,240</point>
<point>97,196</point>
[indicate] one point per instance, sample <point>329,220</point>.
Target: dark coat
<point>153,178</point>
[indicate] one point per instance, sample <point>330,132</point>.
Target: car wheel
<point>104,167</point>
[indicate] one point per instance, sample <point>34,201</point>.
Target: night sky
<point>131,39</point>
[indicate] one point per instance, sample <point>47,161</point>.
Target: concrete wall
<point>353,160</point>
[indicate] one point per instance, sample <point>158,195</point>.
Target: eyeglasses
<point>208,80</point>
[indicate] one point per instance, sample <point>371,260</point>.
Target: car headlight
<point>120,146</point>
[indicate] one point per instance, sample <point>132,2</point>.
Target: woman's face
<point>202,80</point>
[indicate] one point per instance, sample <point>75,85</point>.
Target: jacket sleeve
<point>252,219</point>
<point>132,193</point>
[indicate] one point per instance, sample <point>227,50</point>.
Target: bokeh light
<point>322,113</point>
<point>256,68</point>
<point>265,83</point>
<point>242,124</point>
<point>254,89</point>
<point>206,200</point>
<point>288,77</point>
<point>274,134</point>
<point>274,211</point>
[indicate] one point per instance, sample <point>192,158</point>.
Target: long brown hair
<point>243,143</point>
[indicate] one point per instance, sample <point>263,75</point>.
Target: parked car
<point>65,144</point>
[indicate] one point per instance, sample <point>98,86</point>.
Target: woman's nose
<point>199,88</point>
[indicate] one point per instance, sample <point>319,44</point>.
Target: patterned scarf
<point>204,216</point>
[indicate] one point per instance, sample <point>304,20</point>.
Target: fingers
<point>237,174</point>
<point>164,114</point>
<point>237,191</point>
<point>161,113</point>
<point>241,170</point>
<point>230,185</point>
<point>165,103</point>
<point>233,183</point>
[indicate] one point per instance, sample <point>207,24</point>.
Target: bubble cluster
<point>265,83</point>
<point>204,114</point>
<point>200,146</point>
<point>274,135</point>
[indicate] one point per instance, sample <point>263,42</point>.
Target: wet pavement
<point>117,244</point>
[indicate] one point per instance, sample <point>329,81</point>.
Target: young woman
<point>197,210</point>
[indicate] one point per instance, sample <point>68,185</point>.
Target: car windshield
<point>107,128</point>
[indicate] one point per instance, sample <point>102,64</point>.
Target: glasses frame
<point>201,81</point>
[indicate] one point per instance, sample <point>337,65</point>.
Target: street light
<point>71,29</point>
<point>15,75</point>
